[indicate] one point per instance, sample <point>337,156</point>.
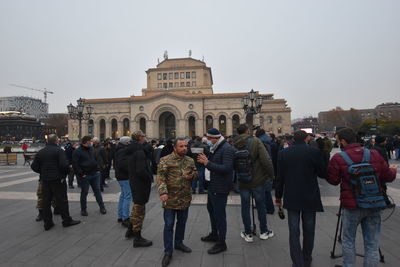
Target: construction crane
<point>44,91</point>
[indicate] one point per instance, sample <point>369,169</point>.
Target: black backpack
<point>244,163</point>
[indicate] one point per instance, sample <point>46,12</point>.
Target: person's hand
<point>201,158</point>
<point>278,202</point>
<point>164,198</point>
<point>393,166</point>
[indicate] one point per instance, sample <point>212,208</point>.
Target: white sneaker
<point>266,235</point>
<point>247,237</point>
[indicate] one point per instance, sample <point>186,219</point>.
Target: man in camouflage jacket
<point>174,179</point>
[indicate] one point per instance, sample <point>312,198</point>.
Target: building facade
<point>28,105</point>
<point>16,125</point>
<point>179,102</point>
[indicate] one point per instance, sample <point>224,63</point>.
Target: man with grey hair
<point>52,165</point>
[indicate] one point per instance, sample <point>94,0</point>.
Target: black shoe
<point>103,210</point>
<point>139,241</point>
<point>39,216</point>
<point>119,220</point>
<point>126,223</point>
<point>210,238</point>
<point>217,248</point>
<point>129,232</point>
<point>193,192</point>
<point>84,213</point>
<point>47,227</point>
<point>71,187</point>
<point>56,211</point>
<point>183,248</point>
<point>71,223</point>
<point>166,260</point>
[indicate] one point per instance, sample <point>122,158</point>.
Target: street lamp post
<point>76,113</point>
<point>252,104</point>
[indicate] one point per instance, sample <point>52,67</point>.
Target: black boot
<point>166,260</point>
<point>129,232</point>
<point>219,247</point>
<point>139,241</point>
<point>40,216</point>
<point>126,223</point>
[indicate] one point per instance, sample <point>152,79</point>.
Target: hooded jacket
<point>263,168</point>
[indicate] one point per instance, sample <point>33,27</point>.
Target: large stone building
<point>179,101</point>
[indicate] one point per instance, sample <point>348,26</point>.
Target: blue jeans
<point>259,197</point>
<point>396,153</point>
<point>370,220</point>
<point>125,199</point>
<point>169,220</point>
<point>216,206</point>
<point>94,181</point>
<point>301,256</point>
<point>200,179</point>
<point>269,204</point>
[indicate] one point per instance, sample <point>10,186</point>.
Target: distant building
<point>24,104</point>
<point>56,123</point>
<point>16,125</point>
<point>306,123</point>
<point>328,120</point>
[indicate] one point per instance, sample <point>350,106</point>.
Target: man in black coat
<point>219,173</point>
<point>86,168</point>
<point>140,177</point>
<point>298,169</point>
<point>52,165</point>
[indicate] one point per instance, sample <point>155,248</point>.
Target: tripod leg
<point>252,210</point>
<point>381,256</point>
<point>336,233</point>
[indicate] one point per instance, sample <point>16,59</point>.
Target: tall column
<point>181,128</point>
<point>108,128</point>
<point>96,128</point>
<point>200,127</point>
<point>133,126</point>
<point>229,128</point>
<point>120,129</point>
<point>84,128</point>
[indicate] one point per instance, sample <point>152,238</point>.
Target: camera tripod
<point>338,238</point>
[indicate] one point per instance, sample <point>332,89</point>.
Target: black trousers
<point>58,190</point>
<point>71,175</point>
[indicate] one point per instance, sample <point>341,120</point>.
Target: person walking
<point>352,213</point>
<point>219,165</point>
<point>299,167</point>
<point>52,165</point>
<point>86,167</point>
<point>122,175</point>
<point>140,177</point>
<point>174,177</point>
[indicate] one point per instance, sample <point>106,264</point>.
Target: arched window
<point>142,125</point>
<point>125,124</point>
<point>262,122</point>
<point>209,122</point>
<point>192,126</point>
<point>90,127</point>
<point>269,119</point>
<point>235,123</point>
<point>102,129</point>
<point>114,128</point>
<point>222,124</point>
<point>279,119</point>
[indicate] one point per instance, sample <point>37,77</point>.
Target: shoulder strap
<point>366,155</point>
<point>346,158</point>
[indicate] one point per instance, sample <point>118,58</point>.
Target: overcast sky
<point>316,54</point>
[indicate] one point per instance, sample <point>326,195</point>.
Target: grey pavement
<point>99,239</point>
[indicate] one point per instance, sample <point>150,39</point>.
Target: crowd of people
<point>251,163</point>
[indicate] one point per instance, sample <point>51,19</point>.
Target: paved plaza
<point>99,239</point>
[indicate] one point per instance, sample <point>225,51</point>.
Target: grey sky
<point>315,54</point>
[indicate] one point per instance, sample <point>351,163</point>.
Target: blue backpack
<point>365,183</point>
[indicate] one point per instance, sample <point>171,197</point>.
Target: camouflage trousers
<point>39,194</point>
<point>137,217</point>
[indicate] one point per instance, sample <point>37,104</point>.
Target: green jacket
<point>263,168</point>
<point>171,180</point>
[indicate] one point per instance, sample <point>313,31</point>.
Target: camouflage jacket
<point>171,181</point>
